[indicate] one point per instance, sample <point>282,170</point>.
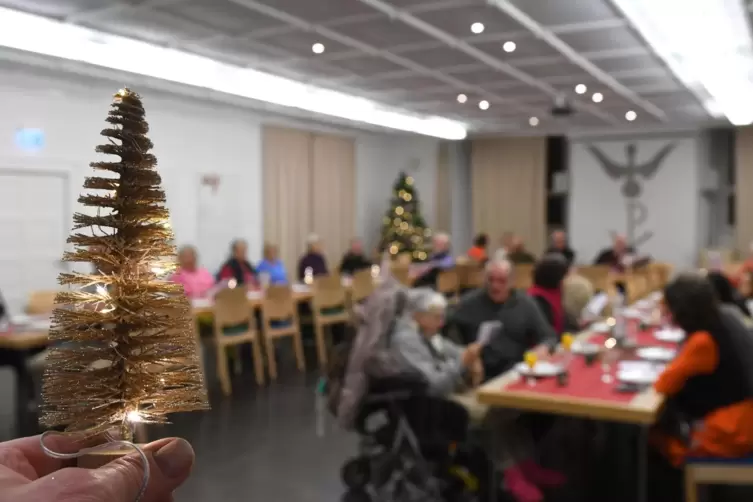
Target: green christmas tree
<point>403,228</point>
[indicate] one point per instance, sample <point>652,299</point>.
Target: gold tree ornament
<point>124,349</point>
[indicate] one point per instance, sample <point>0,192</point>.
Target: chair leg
<point>300,359</point>
<point>691,487</point>
<point>271,360</point>
<point>258,361</point>
<point>237,363</point>
<point>321,346</point>
<point>223,373</point>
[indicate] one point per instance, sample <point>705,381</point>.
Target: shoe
<point>542,476</point>
<point>521,489</point>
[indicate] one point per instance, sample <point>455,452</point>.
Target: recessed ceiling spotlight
<point>533,121</point>
<point>462,98</point>
<point>477,28</point>
<point>630,116</point>
<point>484,105</point>
<point>581,88</point>
<point>509,46</point>
<point>317,48</point>
<point>597,97</point>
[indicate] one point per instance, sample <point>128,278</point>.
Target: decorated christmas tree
<point>124,349</point>
<point>404,229</point>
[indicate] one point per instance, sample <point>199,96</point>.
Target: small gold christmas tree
<point>124,349</point>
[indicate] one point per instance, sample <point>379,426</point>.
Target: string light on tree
<point>125,352</point>
<point>403,227</point>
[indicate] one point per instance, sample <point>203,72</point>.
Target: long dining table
<point>586,393</point>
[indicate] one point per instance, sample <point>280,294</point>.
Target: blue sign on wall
<point>30,139</point>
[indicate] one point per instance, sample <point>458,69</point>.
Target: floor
<point>259,444</point>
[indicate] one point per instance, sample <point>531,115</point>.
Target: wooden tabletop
<point>23,340</point>
<point>205,305</point>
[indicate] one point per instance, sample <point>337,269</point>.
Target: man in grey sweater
<point>520,324</point>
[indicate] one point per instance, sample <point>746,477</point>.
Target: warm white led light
<point>477,28</point>
<point>597,97</point>
<point>462,98</point>
<point>581,88</point>
<point>630,116</point>
<point>484,105</point>
<point>19,30</point>
<point>533,121</point>
<point>509,46</point>
<point>134,417</point>
<point>317,48</point>
<point>706,44</point>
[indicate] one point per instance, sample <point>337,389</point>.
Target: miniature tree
<point>404,228</point>
<point>124,348</point>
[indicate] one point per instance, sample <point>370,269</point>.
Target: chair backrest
<point>231,307</point>
<point>597,274</point>
<point>362,285</point>
<point>447,282</point>
<point>328,292</point>
<point>402,274</point>
<point>41,302</point>
<point>523,275</point>
<point>278,303</point>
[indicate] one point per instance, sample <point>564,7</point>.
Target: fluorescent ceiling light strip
<point>49,37</point>
<point>706,43</point>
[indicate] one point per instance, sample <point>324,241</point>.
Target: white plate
<point>632,313</point>
<point>637,377</point>
<point>301,288</point>
<point>656,353</point>
<point>600,327</point>
<point>669,335</point>
<point>585,348</point>
<point>540,369</point>
<point>253,294</point>
<point>201,303</point>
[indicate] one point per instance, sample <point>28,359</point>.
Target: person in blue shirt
<point>272,266</point>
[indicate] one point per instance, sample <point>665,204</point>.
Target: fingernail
<point>175,458</point>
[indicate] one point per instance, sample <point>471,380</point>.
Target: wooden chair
<point>329,305</point>
<point>448,283</point>
<point>523,275</point>
<point>716,471</point>
<point>280,319</point>
<point>598,275</point>
<point>360,289</point>
<point>41,302</point>
<point>232,310</point>
<point>402,274</point>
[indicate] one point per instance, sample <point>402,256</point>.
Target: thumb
<point>170,463</point>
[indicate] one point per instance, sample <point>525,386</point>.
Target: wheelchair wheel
<point>356,473</point>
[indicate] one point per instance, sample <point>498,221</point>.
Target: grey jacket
<point>441,366</point>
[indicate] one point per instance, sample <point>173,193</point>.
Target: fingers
<point>33,462</point>
<point>170,463</point>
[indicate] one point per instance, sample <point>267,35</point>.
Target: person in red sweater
<point>237,266</point>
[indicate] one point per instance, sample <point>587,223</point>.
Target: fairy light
<point>102,291</point>
<point>308,276</point>
<point>134,417</point>
<point>375,271</point>
<point>232,283</point>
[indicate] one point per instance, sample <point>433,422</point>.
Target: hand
<point>471,354</point>
<point>477,373</point>
<point>27,473</point>
<point>542,352</point>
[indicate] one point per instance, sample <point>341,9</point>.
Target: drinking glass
<point>530,359</point>
<point>567,343</point>
<point>608,359</point>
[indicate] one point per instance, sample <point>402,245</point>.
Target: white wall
<point>193,137</point>
<point>671,196</point>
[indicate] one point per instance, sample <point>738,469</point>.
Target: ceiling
<point>420,55</point>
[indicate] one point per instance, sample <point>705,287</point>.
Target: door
<point>34,221</point>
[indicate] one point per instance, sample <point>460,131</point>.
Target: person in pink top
<point>196,280</point>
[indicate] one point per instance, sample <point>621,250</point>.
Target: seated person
<point>616,256</point>
<point>726,293</point>
<point>577,292</point>
<point>440,259</point>
<point>313,261</point>
<point>518,254</point>
<point>746,267</point>
<point>745,288</point>
<point>548,276</point>
<point>419,344</point>
<point>272,266</point>
<point>237,266</point>
<point>559,245</point>
<point>523,326</point>
<point>477,253</point>
<point>708,383</point>
<point>354,260</point>
<point>196,281</point>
